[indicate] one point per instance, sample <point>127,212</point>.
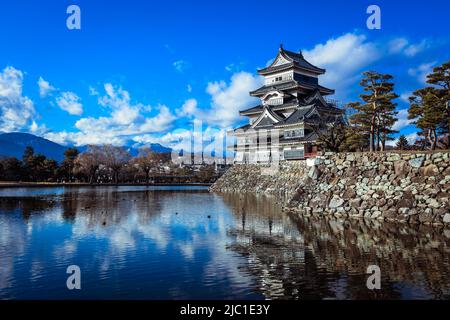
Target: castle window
<point>298,133</point>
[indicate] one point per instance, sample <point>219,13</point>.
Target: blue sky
<point>141,71</point>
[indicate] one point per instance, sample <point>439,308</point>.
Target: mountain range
<point>13,145</point>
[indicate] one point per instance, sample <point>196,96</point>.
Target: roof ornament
<point>300,53</point>
<point>281,46</point>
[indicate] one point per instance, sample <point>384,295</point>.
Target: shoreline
<point>58,184</point>
<point>403,187</point>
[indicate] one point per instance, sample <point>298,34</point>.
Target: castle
<point>291,115</point>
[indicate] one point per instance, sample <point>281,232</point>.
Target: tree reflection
<point>311,258</point>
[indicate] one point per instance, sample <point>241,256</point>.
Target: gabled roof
<point>267,118</point>
<point>244,127</point>
<point>253,110</point>
<point>292,60</point>
<point>313,113</point>
<point>299,115</point>
<point>316,97</point>
<point>260,108</point>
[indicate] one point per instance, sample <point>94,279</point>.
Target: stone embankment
<point>404,187</point>
<point>282,180</point>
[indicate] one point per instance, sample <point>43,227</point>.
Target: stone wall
<point>283,180</point>
<point>405,187</point>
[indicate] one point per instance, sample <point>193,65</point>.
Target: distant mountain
<point>155,147</point>
<point>13,145</point>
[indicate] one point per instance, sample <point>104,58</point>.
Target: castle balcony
<point>310,155</point>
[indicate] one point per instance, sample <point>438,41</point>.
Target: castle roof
<point>311,110</point>
<point>288,59</point>
<point>288,85</point>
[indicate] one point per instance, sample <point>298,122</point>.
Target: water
<point>186,243</point>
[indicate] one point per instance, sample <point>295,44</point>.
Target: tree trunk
<point>147,176</point>
<point>434,139</point>
<point>92,175</point>
<point>372,135</point>
<point>378,138</point>
<point>383,140</point>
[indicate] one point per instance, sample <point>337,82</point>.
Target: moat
<point>186,243</point>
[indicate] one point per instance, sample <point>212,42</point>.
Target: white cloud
<point>405,96</point>
<point>188,109</point>
<point>411,137</point>
<point>180,65</point>
<point>58,137</point>
<point>421,72</point>
<point>402,120</point>
<point>119,101</point>
<point>344,58</point>
<point>397,45</point>
<point>70,102</point>
<point>93,91</point>
<point>16,111</point>
<point>229,67</point>
<point>347,56</point>
<point>45,88</point>
<point>414,49</point>
<point>403,46</point>
<point>65,100</point>
<point>124,121</point>
<point>36,129</point>
<point>160,122</point>
<point>228,99</point>
<point>235,67</point>
<point>83,138</point>
<point>189,88</point>
<point>180,139</point>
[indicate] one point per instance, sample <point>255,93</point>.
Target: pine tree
<point>332,138</point>
<point>28,154</point>
<point>440,79</point>
<point>376,115</point>
<point>402,143</point>
<point>66,170</point>
<point>428,113</point>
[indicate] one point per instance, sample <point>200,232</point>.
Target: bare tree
<point>89,161</point>
<point>115,158</point>
<point>148,160</point>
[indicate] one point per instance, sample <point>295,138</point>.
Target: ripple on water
<point>129,243</point>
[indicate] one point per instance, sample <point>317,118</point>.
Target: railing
<point>274,102</point>
<point>335,102</point>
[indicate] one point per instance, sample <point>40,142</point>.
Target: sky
<point>140,72</point>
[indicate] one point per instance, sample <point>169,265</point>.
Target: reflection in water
<point>157,243</point>
<point>322,258</point>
